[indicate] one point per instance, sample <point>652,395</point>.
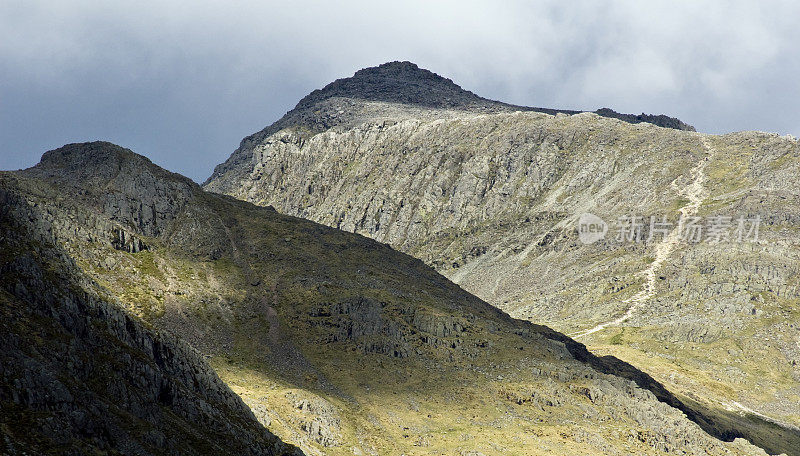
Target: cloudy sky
<point>183,81</point>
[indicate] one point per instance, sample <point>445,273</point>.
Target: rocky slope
<point>337,343</point>
<point>79,376</point>
<point>491,199</point>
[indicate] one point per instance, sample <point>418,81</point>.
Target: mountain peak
<point>145,196</point>
<point>395,67</point>
<point>100,161</point>
<point>404,71</point>
<point>404,82</point>
<point>80,156</point>
<point>397,82</point>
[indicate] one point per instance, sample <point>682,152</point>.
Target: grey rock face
<point>127,242</point>
<point>138,195</point>
<point>321,420</point>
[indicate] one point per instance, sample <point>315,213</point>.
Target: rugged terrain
<point>490,194</point>
<point>337,343</point>
<point>80,376</point>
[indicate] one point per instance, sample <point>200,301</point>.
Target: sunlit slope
<point>491,200</point>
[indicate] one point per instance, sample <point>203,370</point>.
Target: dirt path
<point>695,193</point>
<point>734,406</point>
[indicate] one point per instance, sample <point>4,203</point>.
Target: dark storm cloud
<point>183,82</point>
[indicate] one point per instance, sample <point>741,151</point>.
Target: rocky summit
<point>491,195</point>
<point>390,91</point>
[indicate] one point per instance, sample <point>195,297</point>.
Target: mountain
<point>337,343</point>
<point>491,198</point>
<point>390,91</point>
<point>80,376</point>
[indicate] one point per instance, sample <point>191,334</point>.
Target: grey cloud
<point>182,82</point>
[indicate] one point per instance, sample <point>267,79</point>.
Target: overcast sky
<point>183,81</point>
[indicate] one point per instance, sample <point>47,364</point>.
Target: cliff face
<point>491,199</point>
<point>337,343</point>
